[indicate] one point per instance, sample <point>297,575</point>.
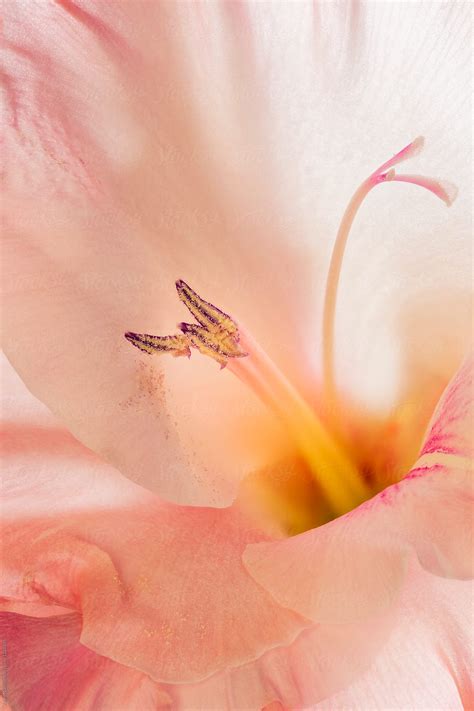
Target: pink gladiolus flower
<point>293,529</point>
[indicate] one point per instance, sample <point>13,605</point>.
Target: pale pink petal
<point>47,669</point>
<point>354,566</point>
<point>343,571</point>
<point>436,498</point>
<point>320,662</point>
<point>417,657</point>
<point>427,663</point>
<point>406,283</point>
<point>40,456</point>
<point>218,143</point>
<point>119,166</point>
<point>161,588</point>
<point>452,425</point>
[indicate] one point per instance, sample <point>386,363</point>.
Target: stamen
<point>385,173</point>
<point>331,467</point>
<point>217,335</point>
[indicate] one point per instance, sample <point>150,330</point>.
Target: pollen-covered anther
<point>215,334</point>
<point>206,314</point>
<point>219,345</point>
<point>177,344</point>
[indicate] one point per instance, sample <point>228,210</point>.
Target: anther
<point>215,335</point>
<point>209,316</point>
<point>177,345</point>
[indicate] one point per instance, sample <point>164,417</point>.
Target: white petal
<point>219,143</point>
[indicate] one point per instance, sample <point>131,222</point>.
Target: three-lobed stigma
<point>216,334</point>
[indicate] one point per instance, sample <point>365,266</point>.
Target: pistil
<point>385,173</point>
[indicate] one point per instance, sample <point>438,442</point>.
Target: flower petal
<point>357,562</point>
<point>40,456</point>
<point>49,670</point>
<point>128,198</point>
<point>321,661</point>
<point>442,482</point>
<point>58,558</point>
<point>406,281</point>
<point>427,662</point>
<point>160,587</point>
<point>450,430</point>
<point>130,164</point>
<point>419,656</point>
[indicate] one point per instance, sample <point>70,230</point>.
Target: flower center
<point>214,333</point>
